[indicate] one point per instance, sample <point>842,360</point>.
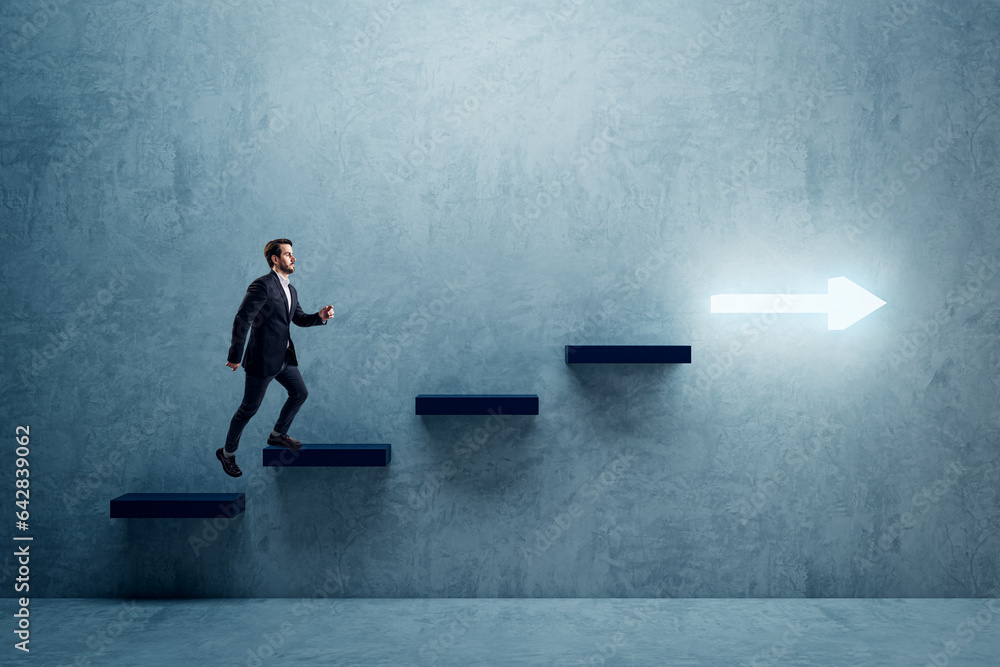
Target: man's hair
<point>274,248</point>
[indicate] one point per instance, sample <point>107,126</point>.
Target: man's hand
<point>232,365</point>
<point>326,313</point>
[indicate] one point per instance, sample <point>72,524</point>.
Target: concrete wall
<point>474,185</point>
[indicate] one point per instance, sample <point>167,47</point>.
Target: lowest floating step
<point>477,404</point>
<point>628,354</point>
<point>328,455</point>
<point>177,505</point>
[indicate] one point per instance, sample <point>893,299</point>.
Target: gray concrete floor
<point>259,632</point>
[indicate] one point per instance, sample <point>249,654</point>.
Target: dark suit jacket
<point>265,312</point>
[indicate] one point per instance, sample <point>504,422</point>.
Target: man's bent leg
<point>253,395</point>
<point>291,379</point>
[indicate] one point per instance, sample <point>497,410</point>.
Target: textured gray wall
<point>473,186</point>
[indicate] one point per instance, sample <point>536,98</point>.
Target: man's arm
<point>253,301</point>
<point>300,318</point>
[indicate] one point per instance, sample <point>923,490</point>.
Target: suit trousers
<point>253,393</point>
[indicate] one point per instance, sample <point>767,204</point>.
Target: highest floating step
<point>628,354</point>
<point>177,505</point>
<point>328,455</point>
<point>477,404</point>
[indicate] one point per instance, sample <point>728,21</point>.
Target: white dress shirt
<point>288,298</point>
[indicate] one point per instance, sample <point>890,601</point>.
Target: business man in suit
<point>270,304</point>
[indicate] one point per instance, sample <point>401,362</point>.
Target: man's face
<point>286,262</point>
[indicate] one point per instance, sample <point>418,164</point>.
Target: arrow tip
<point>849,302</point>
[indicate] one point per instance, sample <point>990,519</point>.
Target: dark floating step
<point>477,404</point>
<point>177,505</point>
<point>628,354</point>
<point>328,455</point>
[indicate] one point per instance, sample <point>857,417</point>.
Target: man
<point>270,302</point>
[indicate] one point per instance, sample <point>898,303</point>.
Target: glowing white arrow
<point>844,303</point>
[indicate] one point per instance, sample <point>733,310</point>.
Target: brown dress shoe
<point>228,463</point>
<point>282,440</point>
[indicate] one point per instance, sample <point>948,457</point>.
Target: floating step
<point>628,354</point>
<point>328,455</point>
<point>477,404</point>
<point>177,505</point>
